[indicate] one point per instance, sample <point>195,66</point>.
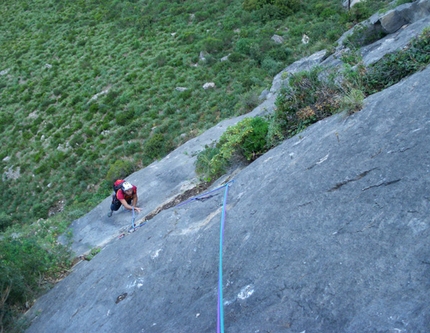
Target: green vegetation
<point>92,253</point>
<point>394,67</point>
<point>312,96</point>
<point>31,262</point>
<point>88,91</point>
<point>245,139</point>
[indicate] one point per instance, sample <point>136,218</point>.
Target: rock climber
<point>125,195</point>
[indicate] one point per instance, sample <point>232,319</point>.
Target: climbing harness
<point>202,197</point>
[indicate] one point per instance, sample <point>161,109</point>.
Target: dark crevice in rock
<point>339,185</point>
<point>178,199</point>
<point>382,184</point>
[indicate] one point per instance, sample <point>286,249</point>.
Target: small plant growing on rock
<point>306,100</point>
<point>92,253</point>
<point>246,139</point>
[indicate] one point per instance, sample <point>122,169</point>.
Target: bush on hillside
<point>27,268</point>
<point>270,9</point>
<point>156,146</point>
<point>119,170</point>
<point>5,221</point>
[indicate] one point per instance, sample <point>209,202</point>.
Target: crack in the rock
<point>305,204</point>
<point>382,184</point>
<point>401,150</point>
<point>178,199</point>
<point>339,185</point>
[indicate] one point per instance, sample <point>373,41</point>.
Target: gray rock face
<point>374,52</point>
<point>400,24</point>
<point>329,232</point>
<point>402,15</point>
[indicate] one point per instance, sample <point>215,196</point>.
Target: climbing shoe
<point>110,213</point>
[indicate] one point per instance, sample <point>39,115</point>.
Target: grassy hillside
<point>93,90</point>
<point>88,88</point>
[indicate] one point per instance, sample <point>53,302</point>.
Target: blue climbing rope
<point>220,317</point>
<point>133,218</point>
<point>220,307</point>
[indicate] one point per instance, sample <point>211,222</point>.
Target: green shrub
<point>401,2</point>
<point>254,144</point>
<point>395,66</point>
<point>155,146</point>
<point>124,117</point>
<point>132,148</point>
<point>201,16</point>
<point>205,165</point>
<point>359,12</point>
<point>26,265</point>
<point>306,100</point>
<point>188,36</point>
<point>212,45</point>
<point>243,45</point>
<point>94,107</point>
<point>40,210</point>
<point>235,57</point>
<point>38,156</point>
<point>49,126</point>
<point>119,169</point>
<point>82,172</point>
<point>5,221</point>
<point>247,139</point>
<point>160,60</point>
<point>76,140</point>
<point>111,97</point>
<point>268,12</point>
<point>249,101</point>
<point>271,66</point>
<point>92,253</point>
<point>186,94</point>
<point>352,100</point>
<point>351,57</point>
<point>284,7</point>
